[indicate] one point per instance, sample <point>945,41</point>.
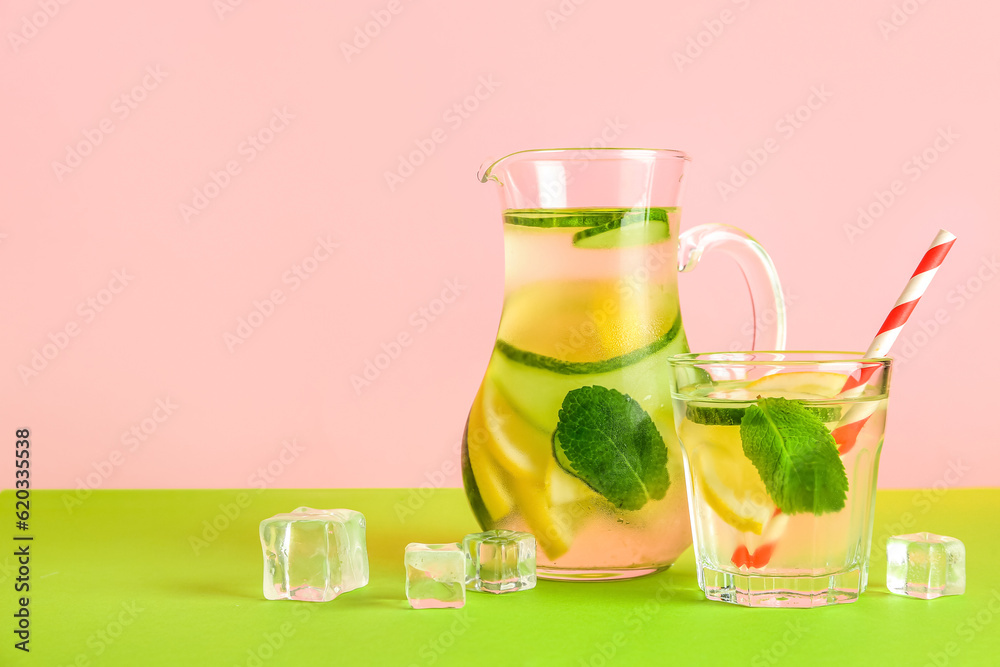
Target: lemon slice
<point>488,474</point>
<point>731,506</point>
<point>553,527</point>
<point>580,326</point>
<point>514,469</point>
<point>557,336</point>
<point>808,384</point>
<point>490,482</point>
<point>562,488</point>
<point>554,511</point>
<point>728,481</point>
<point>521,449</point>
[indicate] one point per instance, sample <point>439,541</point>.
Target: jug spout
<point>485,173</point>
<point>496,169</point>
<point>555,178</point>
<point>524,178</point>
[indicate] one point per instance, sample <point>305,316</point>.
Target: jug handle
<point>758,270</point>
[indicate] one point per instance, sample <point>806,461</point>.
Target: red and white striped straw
<point>846,433</point>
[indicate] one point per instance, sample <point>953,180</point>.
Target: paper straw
<point>846,433</point>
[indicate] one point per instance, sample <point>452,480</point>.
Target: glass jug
<point>571,435</point>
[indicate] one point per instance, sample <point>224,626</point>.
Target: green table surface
<point>142,578</point>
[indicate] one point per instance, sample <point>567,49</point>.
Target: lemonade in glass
<point>781,468</point>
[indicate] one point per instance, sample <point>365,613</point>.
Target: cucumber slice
<point>582,217</point>
<point>641,227</point>
<point>594,217</point>
<point>587,367</point>
<point>712,416</point>
<point>537,393</point>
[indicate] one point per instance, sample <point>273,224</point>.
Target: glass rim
<point>822,357</point>
<point>486,170</point>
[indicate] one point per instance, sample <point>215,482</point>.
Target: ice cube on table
<point>925,565</point>
<point>313,555</point>
<point>435,575</point>
<point>500,561</point>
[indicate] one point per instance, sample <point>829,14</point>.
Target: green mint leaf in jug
<point>605,438</point>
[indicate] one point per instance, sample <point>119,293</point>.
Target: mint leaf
<point>795,456</point>
<point>605,438</point>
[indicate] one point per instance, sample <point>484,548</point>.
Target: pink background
<point>724,80</point>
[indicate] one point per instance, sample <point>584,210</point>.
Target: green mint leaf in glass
<point>795,456</point>
<point>605,438</point>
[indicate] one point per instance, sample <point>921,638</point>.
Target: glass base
<point>596,574</point>
<point>755,590</point>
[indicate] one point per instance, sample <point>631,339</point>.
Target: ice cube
<point>500,561</point>
<point>435,575</point>
<point>313,555</point>
<point>924,565</point>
